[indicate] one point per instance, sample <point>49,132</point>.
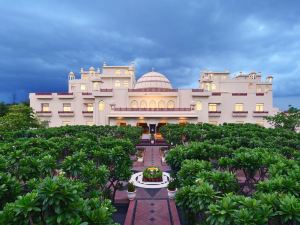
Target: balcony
<point>260,113</point>
<point>152,90</point>
<point>239,94</point>
<point>66,113</point>
<point>65,95</point>
<point>103,93</point>
<point>43,113</point>
<point>87,95</point>
<point>43,95</point>
<point>239,113</point>
<point>214,113</point>
<point>87,113</point>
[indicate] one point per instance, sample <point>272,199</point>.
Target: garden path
<point>152,206</point>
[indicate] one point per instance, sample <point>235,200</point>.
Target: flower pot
<point>171,194</point>
<point>131,195</point>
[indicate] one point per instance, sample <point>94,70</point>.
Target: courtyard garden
<point>66,175</point>
<point>235,174</point>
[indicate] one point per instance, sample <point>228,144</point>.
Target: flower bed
<point>152,174</point>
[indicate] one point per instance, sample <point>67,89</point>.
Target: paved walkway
<point>152,206</point>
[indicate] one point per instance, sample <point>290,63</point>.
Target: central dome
<point>153,80</point>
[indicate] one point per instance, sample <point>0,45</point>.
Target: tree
<point>3,108</point>
<point>289,120</point>
<point>18,117</point>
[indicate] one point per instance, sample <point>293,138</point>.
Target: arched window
<point>134,104</point>
<point>198,106</point>
<point>161,104</point>
<point>152,104</point>
<point>101,105</point>
<point>171,104</point>
<point>117,83</point>
<point>143,104</point>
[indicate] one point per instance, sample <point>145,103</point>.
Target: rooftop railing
<point>152,90</point>
<point>153,109</point>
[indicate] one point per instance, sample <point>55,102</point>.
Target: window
<point>45,107</point>
<point>83,87</point>
<point>134,104</point>
<point>259,107</point>
<point>117,83</point>
<point>212,107</point>
<point>66,107</point>
<point>198,106</point>
<point>65,123</point>
<point>101,105</point>
<point>171,104</point>
<point>143,104</point>
<point>118,72</point>
<point>73,87</point>
<point>89,107</point>
<point>126,83</point>
<point>258,89</point>
<point>152,104</point>
<point>89,123</point>
<point>161,104</point>
<point>213,87</point>
<point>95,86</point>
<point>239,107</point>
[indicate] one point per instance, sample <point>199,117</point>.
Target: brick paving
<point>152,206</point>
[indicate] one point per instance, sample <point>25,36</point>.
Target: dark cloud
<point>41,41</point>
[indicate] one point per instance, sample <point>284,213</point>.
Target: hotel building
<point>113,96</point>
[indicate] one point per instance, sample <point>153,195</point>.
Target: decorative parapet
<point>214,113</point>
<point>260,113</point>
<point>239,94</point>
<point>43,113</point>
<point>45,95</point>
<point>152,109</point>
<point>67,95</point>
<point>87,113</point>
<point>239,113</point>
<point>152,90</point>
<point>66,113</point>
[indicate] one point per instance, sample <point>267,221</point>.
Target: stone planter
<point>171,194</point>
<point>131,195</point>
<point>158,179</point>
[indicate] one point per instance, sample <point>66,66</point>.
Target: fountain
<point>151,177</point>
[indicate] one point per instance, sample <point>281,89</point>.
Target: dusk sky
<point>42,41</point>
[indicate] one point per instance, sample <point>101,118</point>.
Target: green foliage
<point>152,172</point>
<point>10,188</point>
<point>254,173</point>
<point>18,117</point>
<point>63,174</point>
<point>131,187</point>
<point>190,169</point>
<point>289,120</point>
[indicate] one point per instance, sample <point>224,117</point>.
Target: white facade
<point>112,96</point>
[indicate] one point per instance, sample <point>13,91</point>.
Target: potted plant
<point>131,192</point>
<point>152,139</point>
<point>172,189</point>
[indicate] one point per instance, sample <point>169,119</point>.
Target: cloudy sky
<point>41,41</point>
